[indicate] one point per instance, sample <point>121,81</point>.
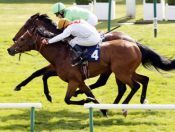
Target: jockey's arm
<point>66,33</point>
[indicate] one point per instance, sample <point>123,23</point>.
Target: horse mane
<point>49,29</point>
<point>46,19</point>
<point>43,32</point>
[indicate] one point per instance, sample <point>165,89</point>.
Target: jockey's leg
<point>80,55</point>
<point>85,42</point>
<point>78,50</point>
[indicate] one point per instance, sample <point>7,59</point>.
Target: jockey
<point>74,13</point>
<point>84,35</point>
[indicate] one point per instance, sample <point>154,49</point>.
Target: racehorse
<point>48,71</point>
<point>114,58</point>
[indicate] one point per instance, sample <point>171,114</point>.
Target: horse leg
<point>121,91</point>
<point>72,86</point>
<point>45,78</point>
<point>91,97</point>
<point>34,75</point>
<point>134,89</point>
<point>100,82</point>
<point>144,81</point>
<point>129,79</point>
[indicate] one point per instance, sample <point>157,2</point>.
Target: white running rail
<point>24,105</point>
<point>132,106</point>
<point>125,106</point>
<point>20,105</point>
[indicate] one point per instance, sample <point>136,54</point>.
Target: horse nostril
<point>8,49</point>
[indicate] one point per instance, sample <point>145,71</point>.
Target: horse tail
<point>151,58</point>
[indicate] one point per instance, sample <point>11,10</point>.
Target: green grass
<point>60,117</point>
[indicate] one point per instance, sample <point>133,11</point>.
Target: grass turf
<point>58,116</point>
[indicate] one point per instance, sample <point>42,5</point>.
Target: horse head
<point>32,40</point>
<point>25,37</point>
<point>37,20</point>
<point>26,42</point>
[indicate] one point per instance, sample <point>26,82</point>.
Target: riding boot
<point>79,53</point>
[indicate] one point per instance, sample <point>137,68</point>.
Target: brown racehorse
<point>114,58</point>
<point>48,71</point>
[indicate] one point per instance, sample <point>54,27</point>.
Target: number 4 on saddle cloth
<point>85,54</point>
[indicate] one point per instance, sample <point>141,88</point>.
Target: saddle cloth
<point>92,53</point>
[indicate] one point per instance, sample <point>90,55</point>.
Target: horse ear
<point>34,16</point>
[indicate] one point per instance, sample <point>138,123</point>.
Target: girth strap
<point>84,69</point>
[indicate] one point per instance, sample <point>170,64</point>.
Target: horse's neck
<point>50,28</point>
<point>54,53</point>
<point>53,30</point>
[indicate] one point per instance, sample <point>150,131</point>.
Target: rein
<point>35,44</point>
<point>24,53</point>
<point>19,56</point>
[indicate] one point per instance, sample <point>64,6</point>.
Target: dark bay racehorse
<point>114,58</point>
<point>48,71</point>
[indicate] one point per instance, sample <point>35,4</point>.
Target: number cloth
<point>93,52</point>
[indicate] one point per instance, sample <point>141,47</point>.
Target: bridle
<point>35,36</point>
<point>31,27</point>
<point>30,22</point>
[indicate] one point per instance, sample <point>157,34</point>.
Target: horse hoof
<point>49,99</point>
<point>145,101</point>
<point>17,88</point>
<point>104,112</point>
<point>124,112</point>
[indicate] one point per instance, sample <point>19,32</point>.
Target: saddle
<point>88,54</point>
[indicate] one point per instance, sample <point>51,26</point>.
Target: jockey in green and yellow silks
<point>74,13</point>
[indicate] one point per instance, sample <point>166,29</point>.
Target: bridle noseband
<point>35,36</point>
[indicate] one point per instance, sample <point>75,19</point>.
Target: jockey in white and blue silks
<point>84,35</point>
